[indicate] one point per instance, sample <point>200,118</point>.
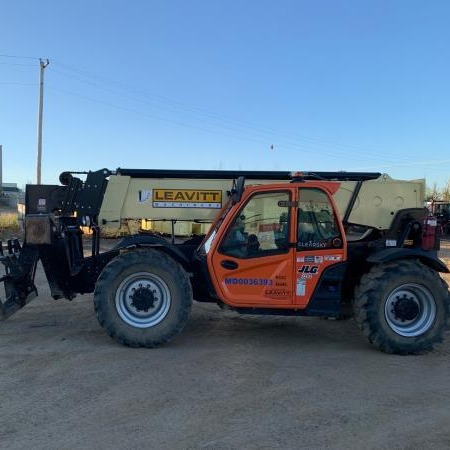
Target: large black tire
<point>143,298</point>
<point>402,307</point>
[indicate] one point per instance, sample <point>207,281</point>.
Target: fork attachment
<point>20,269</point>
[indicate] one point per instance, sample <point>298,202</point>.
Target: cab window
<point>260,228</point>
<point>317,224</point>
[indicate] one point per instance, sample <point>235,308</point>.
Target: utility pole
<point>42,64</point>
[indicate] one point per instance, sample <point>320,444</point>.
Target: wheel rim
<point>410,310</point>
<point>143,300</point>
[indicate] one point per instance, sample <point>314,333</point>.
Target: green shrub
<point>9,226</point>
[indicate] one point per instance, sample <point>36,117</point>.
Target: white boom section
<point>188,206</point>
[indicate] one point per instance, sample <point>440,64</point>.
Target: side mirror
<point>238,190</point>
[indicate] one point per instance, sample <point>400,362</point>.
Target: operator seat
<point>306,229</point>
<point>252,245</point>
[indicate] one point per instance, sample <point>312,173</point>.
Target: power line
<point>291,142</point>
<point>301,143</point>
<point>247,138</point>
<point>17,64</point>
<point>253,139</point>
<point>254,133</point>
<point>263,135</point>
<point>166,100</point>
<point>413,164</point>
<point>17,83</point>
<point>153,116</point>
<point>19,57</point>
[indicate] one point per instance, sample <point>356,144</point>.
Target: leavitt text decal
<point>186,198</point>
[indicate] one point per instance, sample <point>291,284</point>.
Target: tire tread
<point>120,332</point>
<point>366,311</point>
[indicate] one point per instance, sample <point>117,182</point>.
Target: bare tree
<point>433,194</point>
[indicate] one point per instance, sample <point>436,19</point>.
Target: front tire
<point>402,307</point>
<point>143,298</point>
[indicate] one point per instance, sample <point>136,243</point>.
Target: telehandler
<point>328,244</point>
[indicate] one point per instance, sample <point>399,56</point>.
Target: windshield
<point>209,238</point>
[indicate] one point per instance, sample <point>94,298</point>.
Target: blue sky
<point>226,84</point>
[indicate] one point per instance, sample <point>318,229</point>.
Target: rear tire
<point>143,298</point>
<point>402,307</point>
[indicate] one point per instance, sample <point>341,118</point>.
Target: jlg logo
<point>308,269</point>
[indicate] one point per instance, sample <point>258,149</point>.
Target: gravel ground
<point>227,382</point>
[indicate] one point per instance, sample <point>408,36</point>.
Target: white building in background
<point>11,194</point>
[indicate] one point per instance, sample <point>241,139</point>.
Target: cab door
<point>320,241</point>
<point>253,264</point>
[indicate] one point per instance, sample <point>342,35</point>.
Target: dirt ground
<point>227,382</point>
